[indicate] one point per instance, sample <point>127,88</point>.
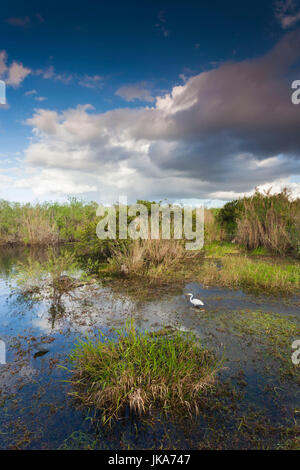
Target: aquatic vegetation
<point>290,444</point>
<point>250,403</point>
<point>240,271</point>
<point>32,276</point>
<point>29,276</point>
<point>248,430</point>
<point>82,441</point>
<point>218,250</point>
<point>148,257</point>
<point>140,371</point>
<point>59,264</point>
<point>273,330</point>
<point>170,263</point>
<point>259,251</point>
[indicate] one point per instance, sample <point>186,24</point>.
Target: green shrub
<point>228,217</point>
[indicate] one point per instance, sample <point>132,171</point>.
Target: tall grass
<point>146,256</point>
<point>140,371</point>
<point>213,231</point>
<point>264,220</point>
<point>218,250</point>
<point>240,271</point>
<point>271,221</point>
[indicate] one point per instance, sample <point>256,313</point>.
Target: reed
<point>212,229</point>
<point>240,271</point>
<point>146,256</point>
<point>140,370</point>
<point>271,221</point>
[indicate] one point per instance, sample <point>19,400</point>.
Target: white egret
<point>195,302</point>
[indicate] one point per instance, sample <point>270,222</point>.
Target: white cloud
<point>49,73</point>
<point>34,93</point>
<point>172,103</point>
<point>15,73</point>
<point>54,182</point>
<point>87,81</point>
<point>91,81</point>
<point>220,134</point>
<point>5,182</point>
<point>135,91</point>
<point>273,187</point>
<point>30,92</point>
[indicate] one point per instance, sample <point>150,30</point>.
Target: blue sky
<point>153,99</point>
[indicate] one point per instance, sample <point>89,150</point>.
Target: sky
<point>184,101</point>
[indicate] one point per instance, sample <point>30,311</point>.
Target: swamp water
<point>257,406</point>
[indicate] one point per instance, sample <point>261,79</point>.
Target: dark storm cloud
<point>227,129</point>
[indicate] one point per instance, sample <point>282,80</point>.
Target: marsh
<point>254,404</point>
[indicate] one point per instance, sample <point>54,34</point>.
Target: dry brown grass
<point>151,256</point>
<point>271,221</point>
<point>212,230</point>
<point>36,229</point>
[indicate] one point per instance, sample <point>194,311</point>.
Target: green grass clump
<point>218,250</point>
<point>240,271</point>
<point>259,251</point>
<point>140,370</point>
